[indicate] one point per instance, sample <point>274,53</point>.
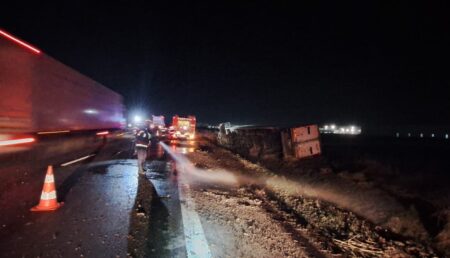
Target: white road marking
<point>196,244</point>
<point>77,160</point>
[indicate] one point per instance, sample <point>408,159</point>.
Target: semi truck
<point>158,126</point>
<point>158,121</point>
<point>183,128</point>
<point>39,95</point>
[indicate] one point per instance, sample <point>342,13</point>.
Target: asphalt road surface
<point>98,187</point>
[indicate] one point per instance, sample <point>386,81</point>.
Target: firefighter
<point>142,143</point>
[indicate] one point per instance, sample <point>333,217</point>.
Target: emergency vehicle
<point>183,128</point>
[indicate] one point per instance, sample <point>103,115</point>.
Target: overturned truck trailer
<point>260,143</point>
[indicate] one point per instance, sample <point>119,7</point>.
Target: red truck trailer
<point>40,95</point>
<point>183,128</point>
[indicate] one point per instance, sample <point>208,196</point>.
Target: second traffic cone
<point>48,200</point>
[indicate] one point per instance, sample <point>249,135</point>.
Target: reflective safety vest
<point>142,139</point>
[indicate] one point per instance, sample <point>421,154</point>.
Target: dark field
<point>414,171</point>
<point>421,165</point>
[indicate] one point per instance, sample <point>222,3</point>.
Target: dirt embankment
<point>317,202</point>
<point>247,229</point>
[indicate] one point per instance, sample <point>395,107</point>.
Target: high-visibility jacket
<point>143,139</point>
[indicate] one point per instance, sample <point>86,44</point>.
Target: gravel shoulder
<point>261,216</point>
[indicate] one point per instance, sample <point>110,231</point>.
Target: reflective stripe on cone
<point>48,196</point>
<point>49,179</point>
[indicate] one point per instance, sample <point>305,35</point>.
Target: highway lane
<point>175,225</point>
<point>98,186</point>
<point>166,228</point>
<point>22,180</point>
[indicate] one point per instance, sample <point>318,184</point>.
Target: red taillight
<point>103,133</point>
<point>16,141</point>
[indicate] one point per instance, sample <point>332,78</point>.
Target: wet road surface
<point>93,220</point>
<point>175,228</point>
<point>99,197</point>
<point>167,239</point>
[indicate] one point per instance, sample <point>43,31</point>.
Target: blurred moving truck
<point>183,128</point>
<point>39,95</point>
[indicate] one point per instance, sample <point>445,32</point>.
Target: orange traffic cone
<point>48,197</point>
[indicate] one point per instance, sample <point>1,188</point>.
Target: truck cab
<point>158,126</point>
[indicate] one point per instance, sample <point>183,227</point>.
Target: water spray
<point>189,172</point>
<point>312,188</point>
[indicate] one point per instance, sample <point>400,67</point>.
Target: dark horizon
<point>254,63</point>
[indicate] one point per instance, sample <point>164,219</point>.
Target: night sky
<point>370,63</point>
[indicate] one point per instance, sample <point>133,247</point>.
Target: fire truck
<point>183,128</point>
